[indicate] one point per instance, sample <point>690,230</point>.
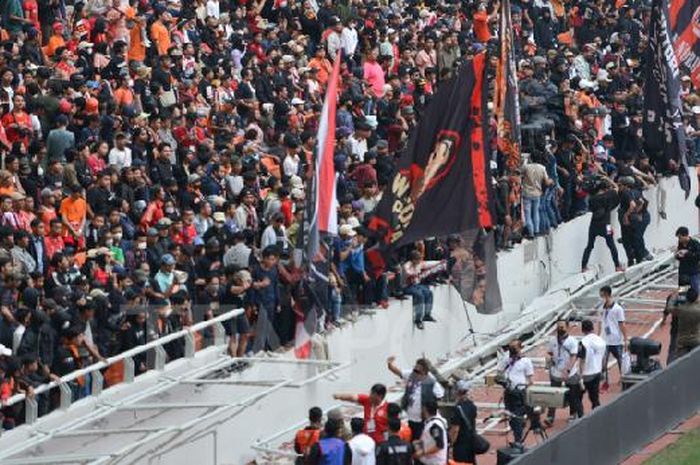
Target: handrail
<point>127,354</point>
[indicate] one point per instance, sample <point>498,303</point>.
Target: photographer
<point>561,359</point>
<point>688,256</point>
<point>516,372</point>
<point>603,200</point>
<point>687,309</point>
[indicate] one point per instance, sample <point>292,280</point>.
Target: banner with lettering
<point>443,184</point>
<point>664,134</point>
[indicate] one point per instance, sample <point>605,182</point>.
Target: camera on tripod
<point>643,349</point>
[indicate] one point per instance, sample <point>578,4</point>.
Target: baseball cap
<point>168,259</point>
<point>346,230</point>
<point>463,385</point>
<point>219,217</point>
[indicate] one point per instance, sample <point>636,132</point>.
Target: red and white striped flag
<point>325,215</point>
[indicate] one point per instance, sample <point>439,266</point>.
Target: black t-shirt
<point>394,451</point>
<point>601,205</point>
<point>626,198</point>
<point>462,448</point>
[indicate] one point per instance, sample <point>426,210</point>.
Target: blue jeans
<point>549,215</point>
<point>532,214</point>
<point>422,301</point>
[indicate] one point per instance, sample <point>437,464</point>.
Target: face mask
<point>170,210</point>
<point>167,312</point>
<point>118,237</point>
<point>109,242</point>
<point>141,245</point>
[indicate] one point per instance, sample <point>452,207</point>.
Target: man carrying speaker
<point>515,374</point>
<point>563,369</point>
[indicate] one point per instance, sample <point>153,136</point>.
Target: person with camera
<point>602,201</point>
<point>591,353</point>
<point>688,256</point>
<point>612,330</point>
<point>462,430</point>
<point>563,370</point>
<point>516,373</point>
<point>687,309</point>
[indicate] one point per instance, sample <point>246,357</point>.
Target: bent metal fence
<point>612,433</point>
<point>96,370</point>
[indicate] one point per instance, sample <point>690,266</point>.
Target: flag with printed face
<point>443,184</point>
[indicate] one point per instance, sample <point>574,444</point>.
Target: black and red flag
<point>684,27</point>
<point>664,134</point>
<point>506,101</point>
<point>443,185</point>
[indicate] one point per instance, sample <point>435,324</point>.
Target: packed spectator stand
<point>156,157</point>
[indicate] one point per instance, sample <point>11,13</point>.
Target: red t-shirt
<point>376,421</point>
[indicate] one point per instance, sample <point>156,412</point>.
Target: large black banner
<point>664,135</point>
<point>443,184</point>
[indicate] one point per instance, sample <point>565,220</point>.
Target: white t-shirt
<point>358,148</point>
<point>518,371</point>
<point>561,354</point>
<point>362,447</point>
<point>291,165</point>
<point>413,412</point>
<point>611,319</point>
<point>595,351</point>
<point>120,158</point>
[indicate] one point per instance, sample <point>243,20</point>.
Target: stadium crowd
<point>156,156</point>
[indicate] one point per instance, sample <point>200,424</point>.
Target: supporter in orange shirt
<point>73,213</point>
<point>137,49</point>
<point>322,64</point>
<point>55,41</point>
<point>123,95</point>
<point>308,436</point>
<point>160,33</point>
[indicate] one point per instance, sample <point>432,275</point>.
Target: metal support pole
<point>129,370</point>
<point>66,396</point>
<point>219,334</point>
<point>97,383</point>
<point>31,410</point>
<point>161,358</point>
<point>189,345</point>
